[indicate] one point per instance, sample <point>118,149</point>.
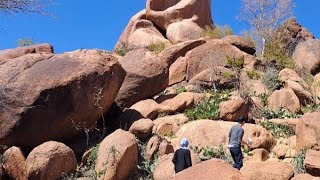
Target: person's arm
<point>188,159</point>
<point>229,136</point>
<point>241,138</point>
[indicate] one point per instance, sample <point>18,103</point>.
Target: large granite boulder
<point>46,96</point>
<point>181,19</point>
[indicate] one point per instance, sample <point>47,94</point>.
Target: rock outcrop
<point>308,131</point>
<point>15,163</point>
<point>50,160</point>
<point>44,95</point>
<point>211,169</point>
<point>267,170</point>
<point>312,162</point>
<point>117,155</point>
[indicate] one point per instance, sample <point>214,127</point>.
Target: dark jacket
<point>181,159</point>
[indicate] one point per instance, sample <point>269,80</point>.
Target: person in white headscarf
<point>182,158</point>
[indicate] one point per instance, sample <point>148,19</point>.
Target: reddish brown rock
<point>307,56</point>
<point>165,147</point>
<point>152,146</point>
<point>209,133</point>
<point>267,170</point>
<point>308,131</point>
<point>142,128</point>
<point>260,155</point>
<point>20,51</point>
<point>214,53</point>
<point>46,97</point>
<point>316,88</point>
<point>168,125</point>
<point>117,155</point>
<point>290,74</point>
<point>232,109</point>
<point>146,76</point>
<point>218,77</point>
<point>312,162</point>
<point>303,95</point>
<point>281,151</point>
<point>165,168</point>
<point>305,177</point>
<point>50,160</point>
<point>177,71</point>
<point>284,98</point>
<point>252,86</point>
<point>289,35</point>
<point>243,44</point>
<point>211,169</point>
<point>179,18</point>
<point>123,39</point>
<point>144,34</point>
<point>15,163</point>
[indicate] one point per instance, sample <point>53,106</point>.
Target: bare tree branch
<point>23,6</point>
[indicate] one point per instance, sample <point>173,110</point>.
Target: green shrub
<point>253,74</point>
<point>180,89</point>
<point>278,130</point>
<point>311,107</point>
<point>147,167</point>
<point>157,47</point>
<point>25,42</point>
<point>274,53</point>
<point>207,153</point>
<point>298,162</point>
<point>271,79</point>
<point>278,114</point>
<point>227,75</point>
<point>121,51</point>
<point>208,109</point>
<point>264,99</point>
<point>217,33</point>
<point>234,63</point>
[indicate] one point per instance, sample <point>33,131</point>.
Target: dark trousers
<point>237,157</point>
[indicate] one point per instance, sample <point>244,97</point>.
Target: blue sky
<point>79,24</point>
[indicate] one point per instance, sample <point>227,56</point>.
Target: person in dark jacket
<point>182,158</point>
<point>235,141</point>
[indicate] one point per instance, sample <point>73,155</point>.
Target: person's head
<point>184,143</point>
<point>241,120</point>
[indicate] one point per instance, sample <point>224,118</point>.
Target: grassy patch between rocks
<point>278,130</point>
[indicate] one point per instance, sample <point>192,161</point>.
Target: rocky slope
<point>92,114</point>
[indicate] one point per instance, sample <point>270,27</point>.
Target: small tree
<point>264,16</point>
<point>23,6</point>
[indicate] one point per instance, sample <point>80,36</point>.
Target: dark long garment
<point>237,157</point>
<point>181,159</point>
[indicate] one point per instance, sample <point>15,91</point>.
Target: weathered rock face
<point>253,86</point>
<point>243,44</point>
<point>284,98</point>
<point>289,74</point>
<point>307,56</point>
<point>289,35</point>
<point>15,163</point>
<point>215,53</point>
<point>180,17</point>
<point>49,160</point>
<point>316,87</point>
<point>165,168</point>
<point>232,109</point>
<point>267,170</point>
<point>44,95</point>
<point>117,155</point>
<point>151,109</point>
<point>308,131</point>
<point>177,71</point>
<point>304,177</point>
<point>260,155</point>
<point>312,162</point>
<point>146,76</point>
<point>165,126</point>
<point>208,133</point>
<point>211,169</point>
<point>219,77</point>
<point>124,38</point>
<point>142,128</point>
<point>20,51</point>
<point>303,95</point>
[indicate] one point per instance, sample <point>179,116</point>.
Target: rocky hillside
<point>94,114</point>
